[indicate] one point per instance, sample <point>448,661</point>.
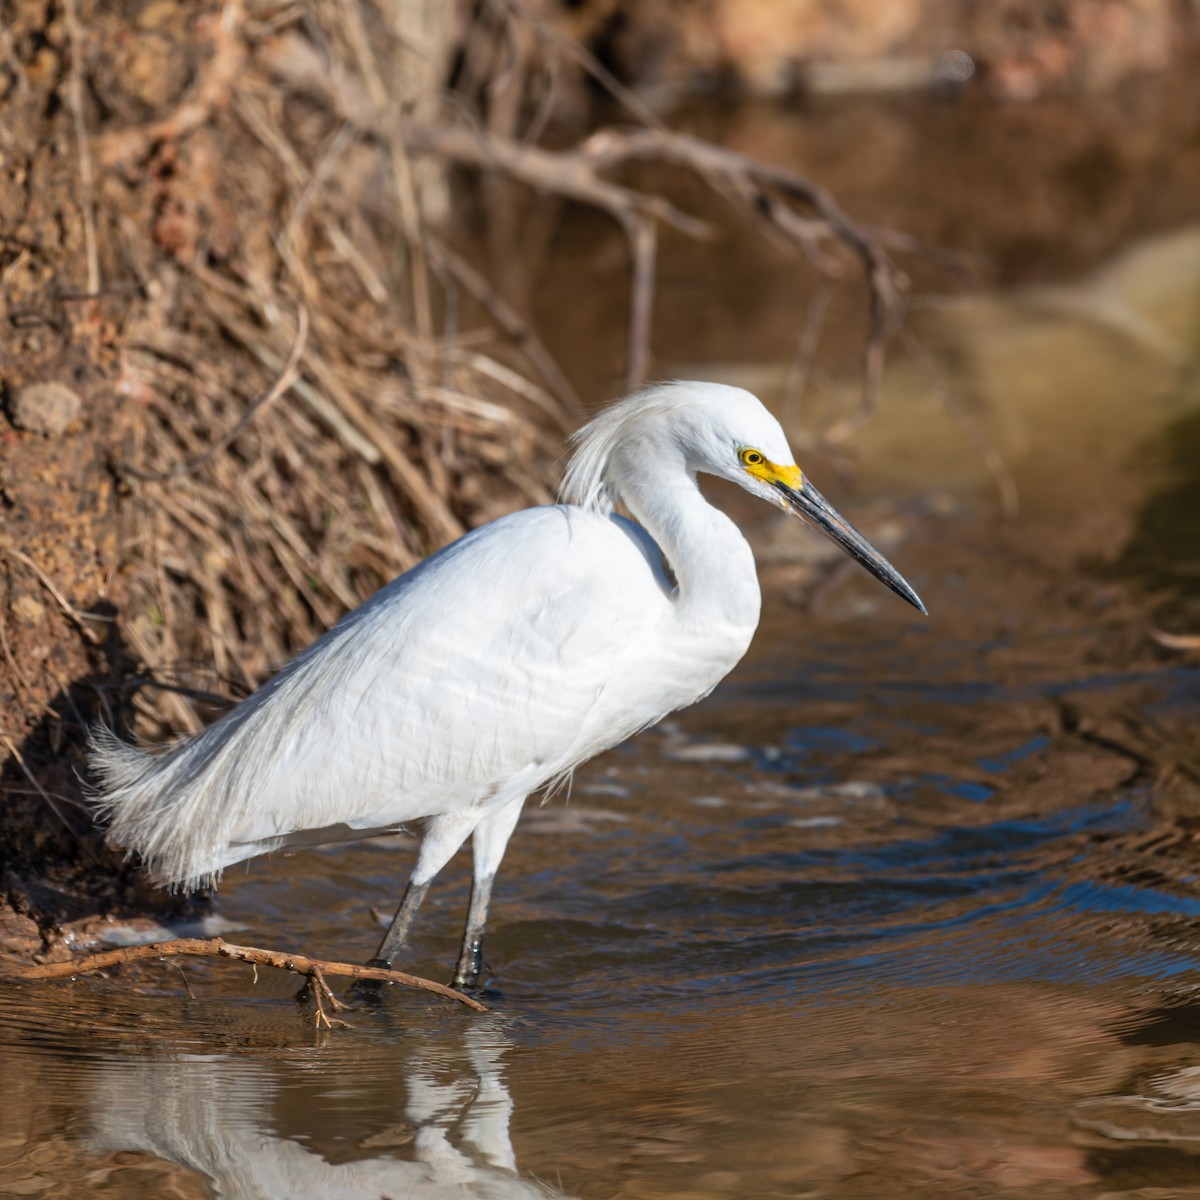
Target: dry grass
<point>326,389</point>
<point>316,414</point>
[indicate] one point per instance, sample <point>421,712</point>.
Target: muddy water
<point>907,908</point>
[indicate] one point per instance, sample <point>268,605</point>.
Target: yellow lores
<point>761,467</point>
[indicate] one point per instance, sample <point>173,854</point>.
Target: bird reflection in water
<point>213,1114</point>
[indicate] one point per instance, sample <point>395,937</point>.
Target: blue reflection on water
<point>828,739</point>
<point>1001,762</point>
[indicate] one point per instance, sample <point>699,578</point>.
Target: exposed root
<point>313,969</point>
<point>211,91</point>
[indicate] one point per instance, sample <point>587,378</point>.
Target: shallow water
<point>907,908</point>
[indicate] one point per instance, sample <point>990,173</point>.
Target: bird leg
<point>488,842</point>
<point>443,836</point>
<point>397,933</point>
<point>470,957</point>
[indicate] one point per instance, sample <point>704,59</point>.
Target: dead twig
<point>571,173</point>
<point>299,964</point>
<point>68,608</point>
<point>317,992</point>
<point>569,47</point>
<point>86,175</point>
<point>187,987</point>
<point>511,324</point>
<point>751,183</point>
<point>762,188</point>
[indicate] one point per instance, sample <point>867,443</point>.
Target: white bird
<point>492,669</point>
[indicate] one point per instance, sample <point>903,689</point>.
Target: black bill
<point>818,512</point>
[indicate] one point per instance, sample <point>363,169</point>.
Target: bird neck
<point>710,559</point>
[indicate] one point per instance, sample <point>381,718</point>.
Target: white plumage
<point>493,668</point>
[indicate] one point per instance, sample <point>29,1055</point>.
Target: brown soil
<point>56,490</point>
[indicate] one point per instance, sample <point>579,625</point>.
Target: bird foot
<point>476,983</point>
<point>370,992</point>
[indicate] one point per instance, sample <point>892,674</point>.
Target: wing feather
<point>480,666</point>
<point>489,669</point>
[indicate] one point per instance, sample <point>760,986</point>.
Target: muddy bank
<point>185,237</point>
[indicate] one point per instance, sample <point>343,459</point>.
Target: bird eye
<point>751,458</point>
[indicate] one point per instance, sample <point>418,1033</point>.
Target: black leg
<point>397,933</point>
<point>470,958</point>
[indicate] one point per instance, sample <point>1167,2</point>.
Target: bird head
<point>715,430</point>
<point>730,433</point>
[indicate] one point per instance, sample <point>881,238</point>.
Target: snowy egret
<point>492,669</point>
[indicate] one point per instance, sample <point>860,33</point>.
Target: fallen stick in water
<point>314,969</point>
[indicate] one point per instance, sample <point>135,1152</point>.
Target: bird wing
<point>476,672</point>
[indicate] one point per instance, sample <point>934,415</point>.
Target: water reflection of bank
<point>1039,194</point>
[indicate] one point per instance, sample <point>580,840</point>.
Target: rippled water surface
<point>907,908</point>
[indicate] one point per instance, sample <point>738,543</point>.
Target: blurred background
<point>294,293</point>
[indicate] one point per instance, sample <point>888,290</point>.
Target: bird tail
<point>146,801</point>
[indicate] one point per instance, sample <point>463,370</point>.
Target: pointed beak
<point>806,502</point>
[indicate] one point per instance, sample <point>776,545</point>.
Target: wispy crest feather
<point>587,480</point>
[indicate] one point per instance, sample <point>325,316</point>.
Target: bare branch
<point>510,321</point>
<point>571,173</point>
<point>763,188</point>
<point>643,243</point>
<point>751,182</point>
<point>217,947</point>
